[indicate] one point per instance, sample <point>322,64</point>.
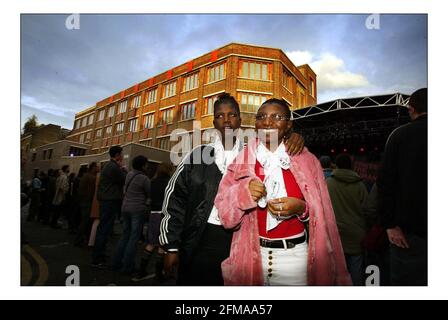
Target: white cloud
<point>50,108</point>
<point>300,57</point>
<point>332,74</point>
<point>330,70</point>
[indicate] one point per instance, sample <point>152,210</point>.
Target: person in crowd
<point>71,204</point>
<point>43,196</point>
<point>47,205</point>
<point>59,200</point>
<point>158,186</point>
<point>85,193</point>
<point>191,231</point>
<point>134,209</point>
<point>348,195</point>
<point>403,195</point>
<point>94,215</point>
<point>110,196</point>
<point>267,197</point>
<point>36,188</point>
<point>375,242</point>
<point>325,162</point>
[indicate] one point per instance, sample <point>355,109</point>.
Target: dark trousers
<point>35,203</point>
<point>57,210</point>
<point>84,230</point>
<point>204,267</point>
<point>108,211</point>
<point>409,267</point>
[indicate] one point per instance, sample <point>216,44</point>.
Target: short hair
<point>226,98</point>
<point>280,102</point>
<point>114,151</point>
<point>65,167</point>
<point>419,100</point>
<point>139,162</point>
<point>325,162</point>
<point>343,161</point>
<point>92,165</point>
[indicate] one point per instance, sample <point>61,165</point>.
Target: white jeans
<point>286,267</point>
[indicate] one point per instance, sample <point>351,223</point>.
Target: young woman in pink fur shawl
<point>254,199</point>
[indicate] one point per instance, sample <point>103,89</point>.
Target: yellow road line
<point>26,273</point>
<point>43,267</point>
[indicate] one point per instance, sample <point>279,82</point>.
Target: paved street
<point>47,252</point>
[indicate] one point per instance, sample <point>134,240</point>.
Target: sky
<point>64,71</point>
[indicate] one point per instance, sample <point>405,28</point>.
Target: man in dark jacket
<point>403,195</point>
<point>110,197</point>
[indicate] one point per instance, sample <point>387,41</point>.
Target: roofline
<point>205,54</point>
<point>59,141</point>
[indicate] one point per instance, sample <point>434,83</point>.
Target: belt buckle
<point>289,244</point>
<point>263,242</point>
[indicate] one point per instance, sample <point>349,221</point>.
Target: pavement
<point>47,254</point>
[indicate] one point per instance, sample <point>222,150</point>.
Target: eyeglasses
<point>274,117</point>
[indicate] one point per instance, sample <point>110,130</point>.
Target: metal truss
<point>379,101</point>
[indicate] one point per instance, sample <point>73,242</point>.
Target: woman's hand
<point>257,190</point>
<point>294,144</point>
<point>286,207</point>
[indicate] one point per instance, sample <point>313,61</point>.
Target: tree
<point>30,125</point>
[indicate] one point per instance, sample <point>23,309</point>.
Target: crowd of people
<point>268,212</point>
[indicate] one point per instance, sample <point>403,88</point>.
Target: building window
<point>151,96</point>
<point>99,133</point>
<point>101,115</point>
<point>74,151</point>
<point>119,128</point>
<point>50,154</point>
<point>84,122</point>
<point>190,82</point>
<point>164,143</point>
<point>88,135</point>
<point>111,111</point>
<point>133,125</point>
<point>169,89</point>
<point>146,143</point>
<point>216,72</point>
<point>312,88</point>
<point>255,70</point>
<point>34,157</point>
<point>208,104</point>
<point>122,106</point>
<point>108,130</point>
<point>90,119</point>
<point>136,101</point>
<point>77,124</point>
<point>81,138</point>
<point>287,80</point>
<point>44,154</point>
<point>166,116</point>
<point>148,121</point>
<point>250,102</point>
<point>188,110</point>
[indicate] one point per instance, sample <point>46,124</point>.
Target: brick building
<point>147,112</point>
